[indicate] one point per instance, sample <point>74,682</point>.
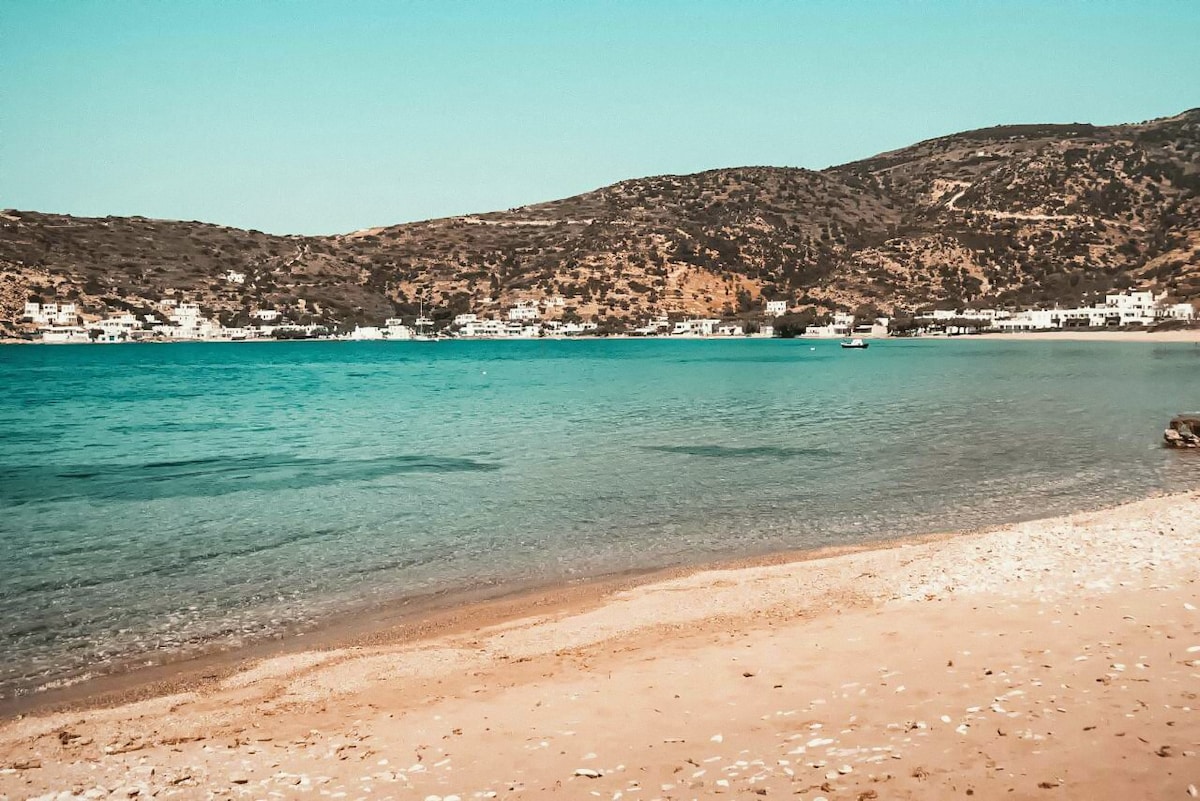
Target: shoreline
<point>1043,620</point>
<point>410,621</point>
<point>1186,335</point>
<point>407,621</point>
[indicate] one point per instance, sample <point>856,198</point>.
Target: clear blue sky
<point>324,117</point>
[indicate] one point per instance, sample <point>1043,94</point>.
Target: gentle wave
<point>162,500</point>
<point>208,477</point>
<point>745,452</point>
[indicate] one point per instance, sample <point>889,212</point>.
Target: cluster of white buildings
<point>51,313</point>
<point>392,328</point>
<point>1123,309</point>
<point>843,325</point>
<point>471,326</point>
<point>181,320</point>
<point>1118,310</point>
<point>523,320</point>
<point>700,327</point>
<point>58,322</point>
<point>175,321</point>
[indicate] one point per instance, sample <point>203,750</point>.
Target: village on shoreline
<point>175,320</point>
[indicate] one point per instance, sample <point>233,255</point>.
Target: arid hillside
<point>1013,215</point>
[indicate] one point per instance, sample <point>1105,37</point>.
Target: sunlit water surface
<point>156,499</point>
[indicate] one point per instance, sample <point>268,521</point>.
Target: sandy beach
<point>1055,658</point>
<point>1187,335</point>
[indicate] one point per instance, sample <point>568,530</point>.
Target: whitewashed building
<point>658,325</point>
<point>695,328</point>
<point>523,312</point>
<point>186,315</point>
<point>1143,302</point>
<point>52,314</point>
<point>484,329</point>
<point>1031,320</point>
<point>64,334</point>
<point>366,332</point>
<point>776,307</point>
<point>518,330</point>
<point>1179,311</point>
<point>841,326</point>
<point>117,328</point>
<point>187,322</point>
<point>394,328</point>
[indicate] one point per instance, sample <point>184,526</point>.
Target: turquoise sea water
<point>156,499</point>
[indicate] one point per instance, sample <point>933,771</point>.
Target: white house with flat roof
<point>776,307</point>
<point>117,327</point>
<point>188,323</point>
<point>1179,311</point>
<point>394,328</point>
<point>64,334</point>
<point>483,329</point>
<point>695,328</point>
<point>366,332</point>
<point>518,330</point>
<point>1138,301</point>
<point>841,326</point>
<point>658,325</point>
<point>1031,320</point>
<point>186,314</point>
<point>524,311</point>
<point>54,314</point>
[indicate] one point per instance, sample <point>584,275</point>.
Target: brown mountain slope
<point>1037,214</point>
<point>1015,214</point>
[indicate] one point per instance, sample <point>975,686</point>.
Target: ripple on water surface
<point>160,499</point>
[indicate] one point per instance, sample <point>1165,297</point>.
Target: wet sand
<point>1055,658</point>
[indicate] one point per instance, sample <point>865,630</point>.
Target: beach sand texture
<point>1051,659</point>
<point>1183,335</point>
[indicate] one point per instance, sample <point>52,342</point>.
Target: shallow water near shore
<point>161,499</point>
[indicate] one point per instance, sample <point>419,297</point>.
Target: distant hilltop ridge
<point>1015,215</point>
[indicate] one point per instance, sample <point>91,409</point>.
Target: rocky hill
<point>1013,215</point>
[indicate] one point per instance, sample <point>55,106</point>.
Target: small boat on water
<point>856,343</point>
<point>423,322</point>
<point>1183,431</point>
